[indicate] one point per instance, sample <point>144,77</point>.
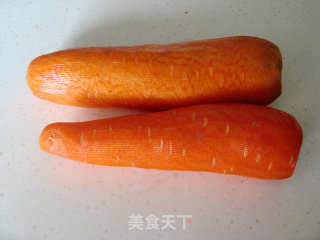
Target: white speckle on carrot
<point>231,169</point>
<point>269,166</point>
<point>82,140</point>
<point>183,152</point>
<point>224,170</point>
<point>227,129</point>
<point>170,147</point>
<point>149,132</point>
<point>213,162</point>
<point>110,127</point>
<point>211,71</point>
<point>245,152</point>
<point>52,137</point>
<point>221,80</point>
<point>258,157</point>
<point>94,134</point>
<point>184,76</point>
<point>118,159</point>
<point>161,144</point>
<point>171,69</point>
<point>205,121</point>
<point>197,75</point>
<point>291,159</point>
<point>132,164</point>
<point>242,76</point>
<point>193,117</point>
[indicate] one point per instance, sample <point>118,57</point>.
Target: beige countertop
<point>47,197</point>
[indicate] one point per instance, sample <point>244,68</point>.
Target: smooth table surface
<point>47,197</point>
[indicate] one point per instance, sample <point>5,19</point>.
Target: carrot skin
<point>157,77</point>
<point>241,139</point>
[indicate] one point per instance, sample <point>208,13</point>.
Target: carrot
<point>157,77</point>
<point>233,138</point>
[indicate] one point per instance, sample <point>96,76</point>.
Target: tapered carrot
<point>235,138</point>
<point>155,77</point>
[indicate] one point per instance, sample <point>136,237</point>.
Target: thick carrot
<point>155,77</point>
<point>235,138</point>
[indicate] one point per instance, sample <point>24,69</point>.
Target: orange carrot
<point>235,138</point>
<point>155,77</point>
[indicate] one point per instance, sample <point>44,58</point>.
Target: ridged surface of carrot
<point>155,77</point>
<point>241,139</point>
